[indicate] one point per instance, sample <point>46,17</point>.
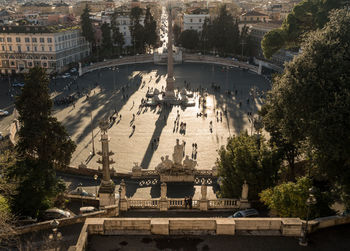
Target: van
<point>85,210</point>
<point>246,213</point>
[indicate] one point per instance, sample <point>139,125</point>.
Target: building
<point>194,19</point>
<point>254,16</point>
<point>50,47</point>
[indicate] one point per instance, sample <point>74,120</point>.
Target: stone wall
<point>186,226</point>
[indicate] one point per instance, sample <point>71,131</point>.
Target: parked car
<point>85,210</point>
<point>81,192</point>
<point>3,113</point>
<point>26,220</point>
<point>245,213</point>
<point>18,84</point>
<point>73,70</point>
<point>55,213</point>
<point>66,75</point>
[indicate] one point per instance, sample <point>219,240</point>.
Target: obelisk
<point>169,90</point>
<point>107,187</point>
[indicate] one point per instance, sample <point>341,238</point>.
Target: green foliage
<point>272,42</point>
<point>309,104</point>
<point>137,30</point>
<point>247,158</point>
<point>189,39</point>
<point>150,29</point>
<point>43,144</point>
<point>86,25</point>
<point>306,16</point>
<point>288,199</point>
<point>107,44</point>
<point>221,34</point>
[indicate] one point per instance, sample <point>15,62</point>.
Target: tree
<point>86,25</point>
<point>289,199</point>
<point>310,102</point>
<point>107,44</point>
<point>189,39</point>
<point>150,26</point>
<point>43,144</point>
<point>176,33</point>
<point>117,37</point>
<point>137,30</point>
<point>306,16</point>
<point>247,158</point>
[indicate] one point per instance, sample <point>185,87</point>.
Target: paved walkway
<point>150,124</point>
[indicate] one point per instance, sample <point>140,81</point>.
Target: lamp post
<point>120,192</point>
<point>56,235</point>
<point>95,178</point>
<point>92,135</point>
<point>311,200</point>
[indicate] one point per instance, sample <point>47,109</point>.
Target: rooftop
<point>35,28</point>
<point>253,13</point>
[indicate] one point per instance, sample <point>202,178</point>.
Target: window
<point>35,48</point>
<point>19,48</point>
<point>50,48</point>
<point>10,48</point>
<point>42,40</point>
<point>27,40</point>
<point>3,48</point>
<point>18,39</point>
<point>45,64</point>
<point>30,64</point>
<point>28,48</point>
<point>34,39</point>
<point>49,40</point>
<point>12,63</point>
<point>1,39</point>
<point>200,20</point>
<point>9,40</point>
<point>42,48</point>
<point>191,20</point>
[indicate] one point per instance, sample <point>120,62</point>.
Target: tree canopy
<point>43,145</point>
<point>247,158</point>
<point>310,102</point>
<point>189,39</point>
<point>86,25</point>
<point>150,29</point>
<point>306,16</point>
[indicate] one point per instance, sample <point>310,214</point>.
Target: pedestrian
<point>186,202</point>
<point>190,202</point>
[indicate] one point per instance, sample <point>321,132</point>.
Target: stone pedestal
<point>123,205</point>
<point>160,226</point>
<point>203,205</point>
<point>243,204</point>
<point>107,199</point>
<point>163,205</point>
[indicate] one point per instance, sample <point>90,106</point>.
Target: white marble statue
<point>189,163</point>
<point>178,152</point>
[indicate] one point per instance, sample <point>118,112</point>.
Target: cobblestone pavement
<point>154,123</point>
<point>336,238</point>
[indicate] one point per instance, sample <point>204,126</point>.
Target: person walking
<point>186,202</point>
<point>190,202</point>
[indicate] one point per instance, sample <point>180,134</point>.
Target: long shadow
<point>160,124</point>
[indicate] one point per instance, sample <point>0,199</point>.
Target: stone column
<point>163,202</point>
<point>203,202</point>
<point>169,90</point>
<point>107,187</point>
<point>123,201</point>
<point>244,198</point>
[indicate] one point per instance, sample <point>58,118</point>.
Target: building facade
<point>194,21</point>
<point>23,47</point>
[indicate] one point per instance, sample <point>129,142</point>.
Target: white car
<point>66,75</point>
<point>3,113</point>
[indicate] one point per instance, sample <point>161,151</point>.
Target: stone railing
<point>143,204</point>
<point>195,58</point>
<point>148,58</point>
<point>223,203</point>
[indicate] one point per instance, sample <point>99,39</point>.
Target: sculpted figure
<point>178,152</point>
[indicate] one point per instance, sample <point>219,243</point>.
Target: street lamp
<point>92,135</point>
<point>311,200</point>
<point>120,192</point>
<point>95,178</point>
<point>56,235</point>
